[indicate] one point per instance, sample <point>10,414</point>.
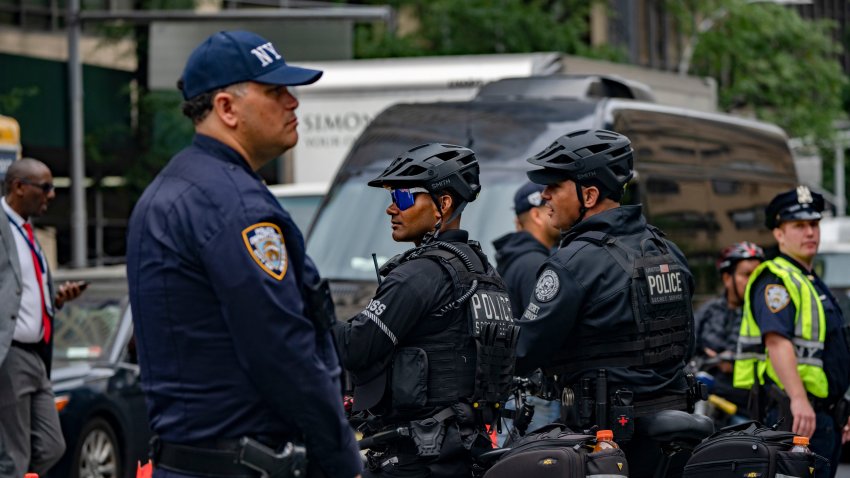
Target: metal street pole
<point>79,221</point>
<point>840,196</point>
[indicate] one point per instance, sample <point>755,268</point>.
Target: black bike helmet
<point>437,167</point>
<point>588,157</point>
<point>737,252</point>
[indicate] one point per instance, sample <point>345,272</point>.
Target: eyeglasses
<point>45,187</point>
<point>404,198</point>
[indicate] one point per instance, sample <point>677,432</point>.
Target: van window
<point>706,182</point>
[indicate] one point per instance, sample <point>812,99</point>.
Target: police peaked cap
<point>799,204</point>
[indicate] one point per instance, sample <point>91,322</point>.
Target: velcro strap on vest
<point>636,360</point>
<point>633,345</point>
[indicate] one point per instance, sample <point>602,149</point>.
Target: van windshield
<point>349,230</point>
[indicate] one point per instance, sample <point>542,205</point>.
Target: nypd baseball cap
<point>230,57</point>
<point>527,197</point>
<point>800,204</point>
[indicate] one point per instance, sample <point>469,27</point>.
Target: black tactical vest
<point>660,301</point>
<point>471,360</point>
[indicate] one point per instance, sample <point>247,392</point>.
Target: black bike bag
<point>751,450</point>
<point>555,451</point>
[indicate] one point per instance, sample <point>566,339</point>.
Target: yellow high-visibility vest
<point>752,361</point>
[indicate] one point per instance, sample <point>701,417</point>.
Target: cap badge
<point>804,196</point>
<point>264,53</point>
<point>535,199</point>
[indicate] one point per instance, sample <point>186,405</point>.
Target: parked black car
<point>96,380</point>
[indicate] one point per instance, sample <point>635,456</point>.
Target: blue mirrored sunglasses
<point>404,198</point>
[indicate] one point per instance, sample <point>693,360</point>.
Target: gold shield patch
<point>265,244</point>
<point>776,297</point>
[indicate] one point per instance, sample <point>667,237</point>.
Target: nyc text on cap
<point>226,58</point>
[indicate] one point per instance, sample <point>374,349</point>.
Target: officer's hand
<point>804,417</point>
<point>69,291</point>
<point>710,353</point>
<point>845,432</point>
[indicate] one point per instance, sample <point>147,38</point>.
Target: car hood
<point>70,375</point>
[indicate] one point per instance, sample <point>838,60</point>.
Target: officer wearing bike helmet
<point>793,338</point>
<point>719,320</point>
<point>433,352</point>
<point>610,315</point>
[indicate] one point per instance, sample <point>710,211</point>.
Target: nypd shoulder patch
<point>265,244</point>
<point>776,297</point>
<point>547,286</point>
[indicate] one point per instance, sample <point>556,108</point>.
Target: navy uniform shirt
<point>519,255</point>
<point>774,312</point>
<point>215,269</point>
<point>581,285</point>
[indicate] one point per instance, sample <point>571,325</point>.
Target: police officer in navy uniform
<point>793,337</point>
<point>589,324</point>
<point>519,254</point>
<point>414,351</point>
<point>232,334</point>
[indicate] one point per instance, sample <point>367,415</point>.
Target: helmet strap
<point>582,210</point>
<point>436,232</point>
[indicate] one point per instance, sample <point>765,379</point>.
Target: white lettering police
<point>490,307</point>
<point>664,285</point>
<point>264,53</point>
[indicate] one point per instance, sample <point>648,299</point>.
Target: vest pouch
<point>607,463</point>
<point>795,465</point>
<point>428,434</point>
<point>409,378</point>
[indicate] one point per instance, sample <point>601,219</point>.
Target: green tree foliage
<point>770,62</point>
<point>12,99</point>
<point>159,119</point>
<point>450,27</point>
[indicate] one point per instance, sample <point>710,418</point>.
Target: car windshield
<point>834,269</point>
<point>358,210</point>
<point>85,328</point>
<point>301,208</point>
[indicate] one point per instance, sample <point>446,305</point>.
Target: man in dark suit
<point>29,424</point>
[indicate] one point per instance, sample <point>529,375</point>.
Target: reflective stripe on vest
<point>751,360</point>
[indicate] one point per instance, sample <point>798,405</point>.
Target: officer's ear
<point>779,234</point>
<point>447,204</point>
<point>590,196</point>
<point>223,106</point>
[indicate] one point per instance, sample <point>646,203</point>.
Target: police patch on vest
<point>665,283</point>
<point>776,297</point>
<point>547,286</point>
<point>265,244</point>
<point>490,306</point>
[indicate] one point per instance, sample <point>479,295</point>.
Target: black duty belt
<point>29,347</point>
<point>211,462</point>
